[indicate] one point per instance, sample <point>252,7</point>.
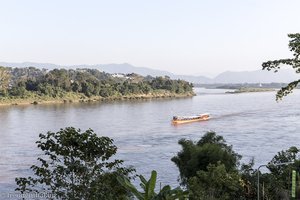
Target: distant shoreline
<point>250,90</point>
<point>84,99</point>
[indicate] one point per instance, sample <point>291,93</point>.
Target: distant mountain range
<point>258,76</point>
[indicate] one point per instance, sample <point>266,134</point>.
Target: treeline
<point>80,165</point>
<point>17,82</point>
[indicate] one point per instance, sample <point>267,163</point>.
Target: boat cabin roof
<point>189,117</point>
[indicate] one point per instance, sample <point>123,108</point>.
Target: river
<point>254,123</point>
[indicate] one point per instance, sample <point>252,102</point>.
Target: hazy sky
<point>184,37</point>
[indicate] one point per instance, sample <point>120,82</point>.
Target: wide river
<point>254,123</point>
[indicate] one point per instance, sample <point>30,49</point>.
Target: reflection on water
<point>253,123</point>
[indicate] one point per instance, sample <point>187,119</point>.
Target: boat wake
<point>229,115</point>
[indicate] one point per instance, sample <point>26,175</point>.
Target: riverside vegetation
<point>32,85</point>
<point>80,165</point>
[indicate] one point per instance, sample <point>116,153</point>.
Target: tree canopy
<point>210,149</point>
<point>216,183</point>
<point>76,165</point>
<point>4,80</point>
<point>211,170</point>
<point>294,46</point>
<point>19,82</point>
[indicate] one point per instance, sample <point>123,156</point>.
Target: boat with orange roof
<point>188,119</point>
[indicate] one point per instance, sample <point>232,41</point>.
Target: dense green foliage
<point>277,183</point>
<point>166,193</point>
<point>4,80</point>
<point>21,82</point>
<point>294,46</point>
<point>76,165</point>
<point>210,170</point>
<point>216,182</point>
<point>210,149</point>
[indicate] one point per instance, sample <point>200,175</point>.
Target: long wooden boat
<point>188,119</point>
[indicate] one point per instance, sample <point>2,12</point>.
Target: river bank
<point>250,89</point>
<point>80,98</point>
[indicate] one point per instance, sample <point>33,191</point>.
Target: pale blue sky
<point>184,37</point>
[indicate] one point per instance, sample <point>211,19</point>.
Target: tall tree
<point>76,165</point>
<point>4,79</point>
<point>210,149</point>
<point>294,46</point>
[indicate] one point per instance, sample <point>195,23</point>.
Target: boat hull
<point>190,120</point>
